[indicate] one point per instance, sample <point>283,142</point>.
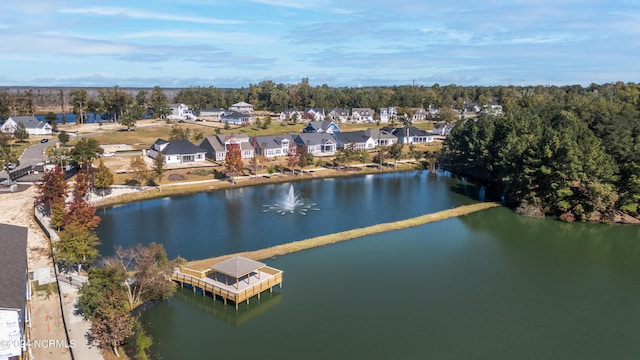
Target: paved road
<point>33,155</point>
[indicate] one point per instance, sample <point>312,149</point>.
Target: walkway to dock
<point>237,279</point>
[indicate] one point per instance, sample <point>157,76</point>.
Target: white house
<point>212,113</point>
<point>357,140</point>
<point>181,112</point>
<point>318,144</point>
<point>315,114</point>
<point>442,129</point>
<point>290,114</point>
<point>362,114</point>
<point>273,146</point>
<point>388,114</point>
<point>177,151</point>
<point>216,146</point>
<point>237,118</point>
<point>31,124</point>
<point>412,135</point>
<point>242,107</point>
<point>339,114</point>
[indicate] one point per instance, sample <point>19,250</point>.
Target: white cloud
<point>138,14</point>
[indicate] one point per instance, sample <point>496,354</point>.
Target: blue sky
<point>178,43</point>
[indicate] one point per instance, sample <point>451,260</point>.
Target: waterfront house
<point>15,296</point>
<point>216,146</point>
<point>177,151</point>
<point>388,114</point>
<point>236,118</point>
<point>242,107</point>
<point>318,144</point>
<point>339,114</point>
<point>356,140</point>
<point>362,114</point>
<point>273,146</point>
<point>411,135</point>
<point>31,124</point>
<point>381,137</point>
<point>328,127</point>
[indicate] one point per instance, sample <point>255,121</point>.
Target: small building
<point>382,137</point>
<point>318,144</point>
<point>181,112</point>
<point>15,293</point>
<point>274,145</point>
<point>242,107</point>
<point>31,124</point>
<point>328,127</point>
<point>442,129</point>
<point>290,114</point>
<point>177,151</point>
<point>419,114</point>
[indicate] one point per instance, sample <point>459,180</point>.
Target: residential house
<point>31,124</point>
<point>328,127</point>
<point>216,146</point>
<point>492,109</point>
<point>442,129</point>
<point>214,114</point>
<point>388,114</point>
<point>273,146</point>
<point>419,114</point>
<point>242,107</point>
<point>181,112</point>
<point>381,137</point>
<point>177,151</point>
<point>357,140</point>
<point>314,114</point>
<point>362,114</point>
<point>236,118</point>
<point>318,144</point>
<point>290,114</point>
<point>339,114</point>
<point>471,107</point>
<point>15,296</point>
<point>411,135</point>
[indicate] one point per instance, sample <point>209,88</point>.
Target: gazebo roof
<point>237,266</point>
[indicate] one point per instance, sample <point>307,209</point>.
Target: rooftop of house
<point>13,266</point>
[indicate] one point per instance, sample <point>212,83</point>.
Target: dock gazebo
<point>237,268</point>
<point>236,279</point>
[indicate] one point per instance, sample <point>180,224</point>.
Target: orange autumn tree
<point>233,160</point>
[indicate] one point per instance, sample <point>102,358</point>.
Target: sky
<point>220,43</point>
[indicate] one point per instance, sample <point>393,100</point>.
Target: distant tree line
<point>572,152</point>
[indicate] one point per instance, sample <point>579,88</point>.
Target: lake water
<point>490,285</point>
<point>221,222</point>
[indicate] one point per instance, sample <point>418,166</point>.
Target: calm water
<point>490,285</point>
<point>222,222</point>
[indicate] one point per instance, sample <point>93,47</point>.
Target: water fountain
<point>291,203</point>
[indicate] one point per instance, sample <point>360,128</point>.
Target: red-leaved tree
<point>233,160</point>
<point>53,188</point>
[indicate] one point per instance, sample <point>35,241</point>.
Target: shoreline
<point>324,240</point>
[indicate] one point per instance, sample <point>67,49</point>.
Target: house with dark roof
<point>382,137</point>
<point>356,140</point>
<point>318,144</point>
<point>216,146</point>
<point>411,135</point>
<point>236,118</point>
<point>274,145</point>
<point>177,151</point>
<point>328,127</point>
<point>15,292</point>
<point>31,123</point>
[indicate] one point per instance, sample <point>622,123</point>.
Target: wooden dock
<point>237,279</point>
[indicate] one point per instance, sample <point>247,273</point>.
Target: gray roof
<point>30,122</point>
<point>272,141</point>
<point>351,137</point>
<point>237,266</point>
<point>13,266</point>
<point>234,115</point>
<point>408,131</point>
<point>379,134</point>
<point>177,147</point>
<point>310,139</point>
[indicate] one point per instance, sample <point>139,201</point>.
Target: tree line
<point>572,152</point>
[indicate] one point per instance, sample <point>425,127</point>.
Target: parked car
<point>10,166</point>
<point>108,154</point>
<point>44,141</point>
